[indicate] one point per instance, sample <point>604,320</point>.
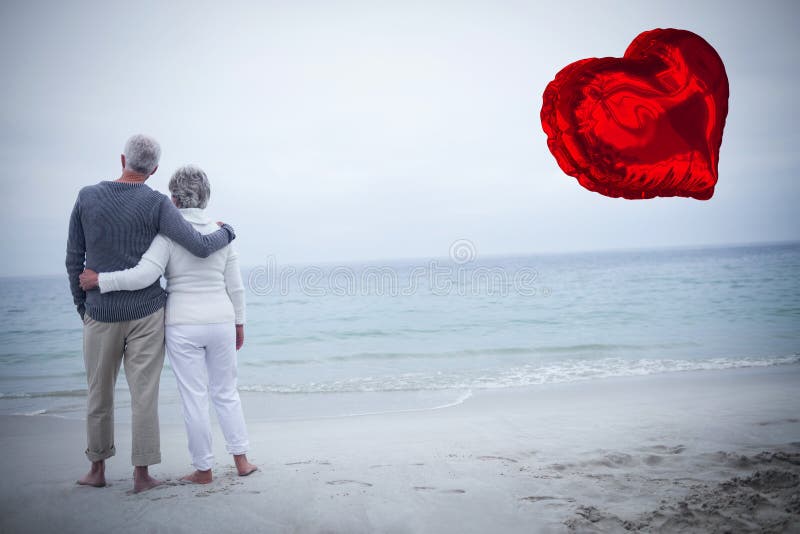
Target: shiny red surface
<point>645,125</point>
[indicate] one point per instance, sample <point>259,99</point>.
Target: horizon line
<point>496,255</point>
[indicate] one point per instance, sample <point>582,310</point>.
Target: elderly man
<point>112,225</point>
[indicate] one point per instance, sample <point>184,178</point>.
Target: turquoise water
<point>359,332</point>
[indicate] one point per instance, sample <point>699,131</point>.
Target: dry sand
<point>709,451</point>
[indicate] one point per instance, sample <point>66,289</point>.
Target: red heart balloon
<point>645,125</point>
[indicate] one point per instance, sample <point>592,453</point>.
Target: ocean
<point>350,339</point>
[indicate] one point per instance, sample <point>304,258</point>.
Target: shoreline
<point>301,405</point>
<point>596,456</point>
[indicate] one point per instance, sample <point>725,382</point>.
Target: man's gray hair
<point>190,187</point>
<point>142,154</point>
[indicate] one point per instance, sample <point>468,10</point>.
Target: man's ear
<point>122,159</point>
<point>154,171</point>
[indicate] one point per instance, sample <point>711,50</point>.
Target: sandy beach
<point>701,451</point>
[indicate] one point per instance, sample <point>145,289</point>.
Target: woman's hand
<point>239,336</point>
<point>88,279</point>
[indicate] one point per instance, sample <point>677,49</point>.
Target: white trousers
<point>203,358</point>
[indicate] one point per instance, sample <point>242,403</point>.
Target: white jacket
<point>201,290</point>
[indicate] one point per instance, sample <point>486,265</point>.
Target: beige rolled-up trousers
<point>139,345</point>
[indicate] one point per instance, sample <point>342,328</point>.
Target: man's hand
<point>220,223</point>
<point>239,336</point>
<point>88,279</point>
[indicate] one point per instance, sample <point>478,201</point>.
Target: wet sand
<point>705,451</point>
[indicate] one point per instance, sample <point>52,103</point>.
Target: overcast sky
<point>335,131</point>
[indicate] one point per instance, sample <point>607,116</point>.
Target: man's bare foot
<point>96,477</point>
<point>142,481</point>
<point>199,477</point>
<point>243,466</point>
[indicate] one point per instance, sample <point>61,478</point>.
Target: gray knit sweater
<point>112,225</point>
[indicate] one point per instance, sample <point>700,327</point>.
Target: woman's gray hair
<point>190,187</point>
<point>142,154</point>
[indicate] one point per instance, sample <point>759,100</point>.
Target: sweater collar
<point>195,215</point>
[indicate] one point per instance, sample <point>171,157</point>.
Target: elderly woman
<point>206,300</point>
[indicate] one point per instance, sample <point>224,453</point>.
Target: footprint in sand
<point>166,497</point>
<point>653,459</point>
<point>599,476</point>
<point>537,498</point>
<point>546,476</point>
<point>665,449</point>
<point>340,482</point>
<point>614,460</point>
<point>431,488</point>
<point>501,458</point>
<point>560,467</point>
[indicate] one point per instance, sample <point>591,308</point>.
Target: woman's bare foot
<point>142,481</point>
<point>243,466</point>
<point>96,477</point>
<point>199,477</point>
